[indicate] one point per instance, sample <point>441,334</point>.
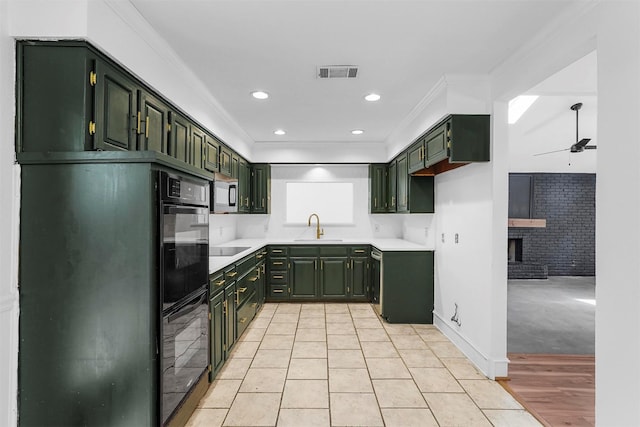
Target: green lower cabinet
<point>217,334</point>
<point>230,317</point>
<point>333,278</point>
<point>303,277</point>
<point>359,278</point>
<point>407,287</point>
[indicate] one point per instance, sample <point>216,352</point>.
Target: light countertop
<point>219,262</point>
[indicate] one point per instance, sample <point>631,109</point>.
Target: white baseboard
<point>492,368</point>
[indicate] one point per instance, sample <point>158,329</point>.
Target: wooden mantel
<point>527,223</point>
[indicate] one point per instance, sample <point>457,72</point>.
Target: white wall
<point>9,193</point>
<point>613,27</point>
<point>365,225</point>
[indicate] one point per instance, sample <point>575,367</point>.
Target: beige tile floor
<point>339,365</point>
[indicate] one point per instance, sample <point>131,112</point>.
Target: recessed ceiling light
<point>357,131</point>
<point>260,94</point>
<point>372,97</point>
<point>279,132</point>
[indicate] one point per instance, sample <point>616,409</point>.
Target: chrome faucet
<point>319,231</point>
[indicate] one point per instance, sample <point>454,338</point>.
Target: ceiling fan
<point>580,145</point>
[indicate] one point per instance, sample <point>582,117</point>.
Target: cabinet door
<point>333,277</point>
<point>303,277</point>
<point>392,190</point>
<point>359,279</point>
<point>116,112</point>
<point>153,118</point>
<point>197,147</point>
<point>377,187</point>
<point>212,150</point>
<point>216,305</point>
<point>225,160</point>
<point>416,156</point>
<point>436,146</point>
<point>230,317</point>
<point>260,183</point>
<point>179,136</point>
<point>402,204</point>
<point>244,185</point>
<point>234,166</point>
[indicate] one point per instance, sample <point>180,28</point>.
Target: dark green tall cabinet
<point>89,303</point>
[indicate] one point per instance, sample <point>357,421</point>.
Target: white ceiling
<point>402,49</point>
<point>550,124</point>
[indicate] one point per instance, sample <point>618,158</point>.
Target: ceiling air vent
<point>338,72</point>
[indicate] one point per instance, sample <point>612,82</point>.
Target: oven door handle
<point>188,308</point>
<point>189,210</point>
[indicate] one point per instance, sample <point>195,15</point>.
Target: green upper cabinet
<point>402,193</point>
<point>198,138</point>
<point>468,138</point>
<point>153,121</point>
<point>212,150</point>
<point>415,156</point>
<point>303,277</point>
<point>114,127</point>
<point>392,189</point>
<point>378,187</point>
<point>333,277</point>
<point>225,161</point>
<point>436,146</point>
<point>179,137</point>
<point>244,187</point>
<point>235,161</point>
<point>260,188</point>
<point>55,92</point>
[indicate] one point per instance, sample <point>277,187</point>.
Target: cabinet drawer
<point>245,287</point>
<point>246,313</point>
<point>216,283</point>
<point>303,251</point>
<point>278,277</point>
<point>245,265</point>
<point>261,254</point>
<point>277,263</point>
<point>359,251</point>
<point>277,251</point>
<point>334,250</point>
<point>278,291</point>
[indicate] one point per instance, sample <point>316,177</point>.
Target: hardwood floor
<point>558,389</point>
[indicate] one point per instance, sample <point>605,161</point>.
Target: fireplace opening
<point>515,250</point>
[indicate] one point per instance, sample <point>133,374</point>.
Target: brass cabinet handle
<point>253,279</point>
<point>232,274</point>
<point>138,127</point>
<point>241,290</point>
<point>244,319</point>
<point>259,256</point>
<point>375,202</point>
<point>220,282</point>
<point>359,251</point>
<point>276,251</point>
<point>277,291</point>
<point>278,263</point>
<point>278,276</point>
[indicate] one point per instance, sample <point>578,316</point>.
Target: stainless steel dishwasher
<point>376,279</point>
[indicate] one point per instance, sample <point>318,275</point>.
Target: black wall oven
<point>184,265</point>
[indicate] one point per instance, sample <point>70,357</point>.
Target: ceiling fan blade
<point>551,152</point>
<point>580,144</point>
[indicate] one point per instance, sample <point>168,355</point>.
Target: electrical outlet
<point>442,238</point>
<point>456,238</point>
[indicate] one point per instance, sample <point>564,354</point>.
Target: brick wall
<point>567,245</point>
